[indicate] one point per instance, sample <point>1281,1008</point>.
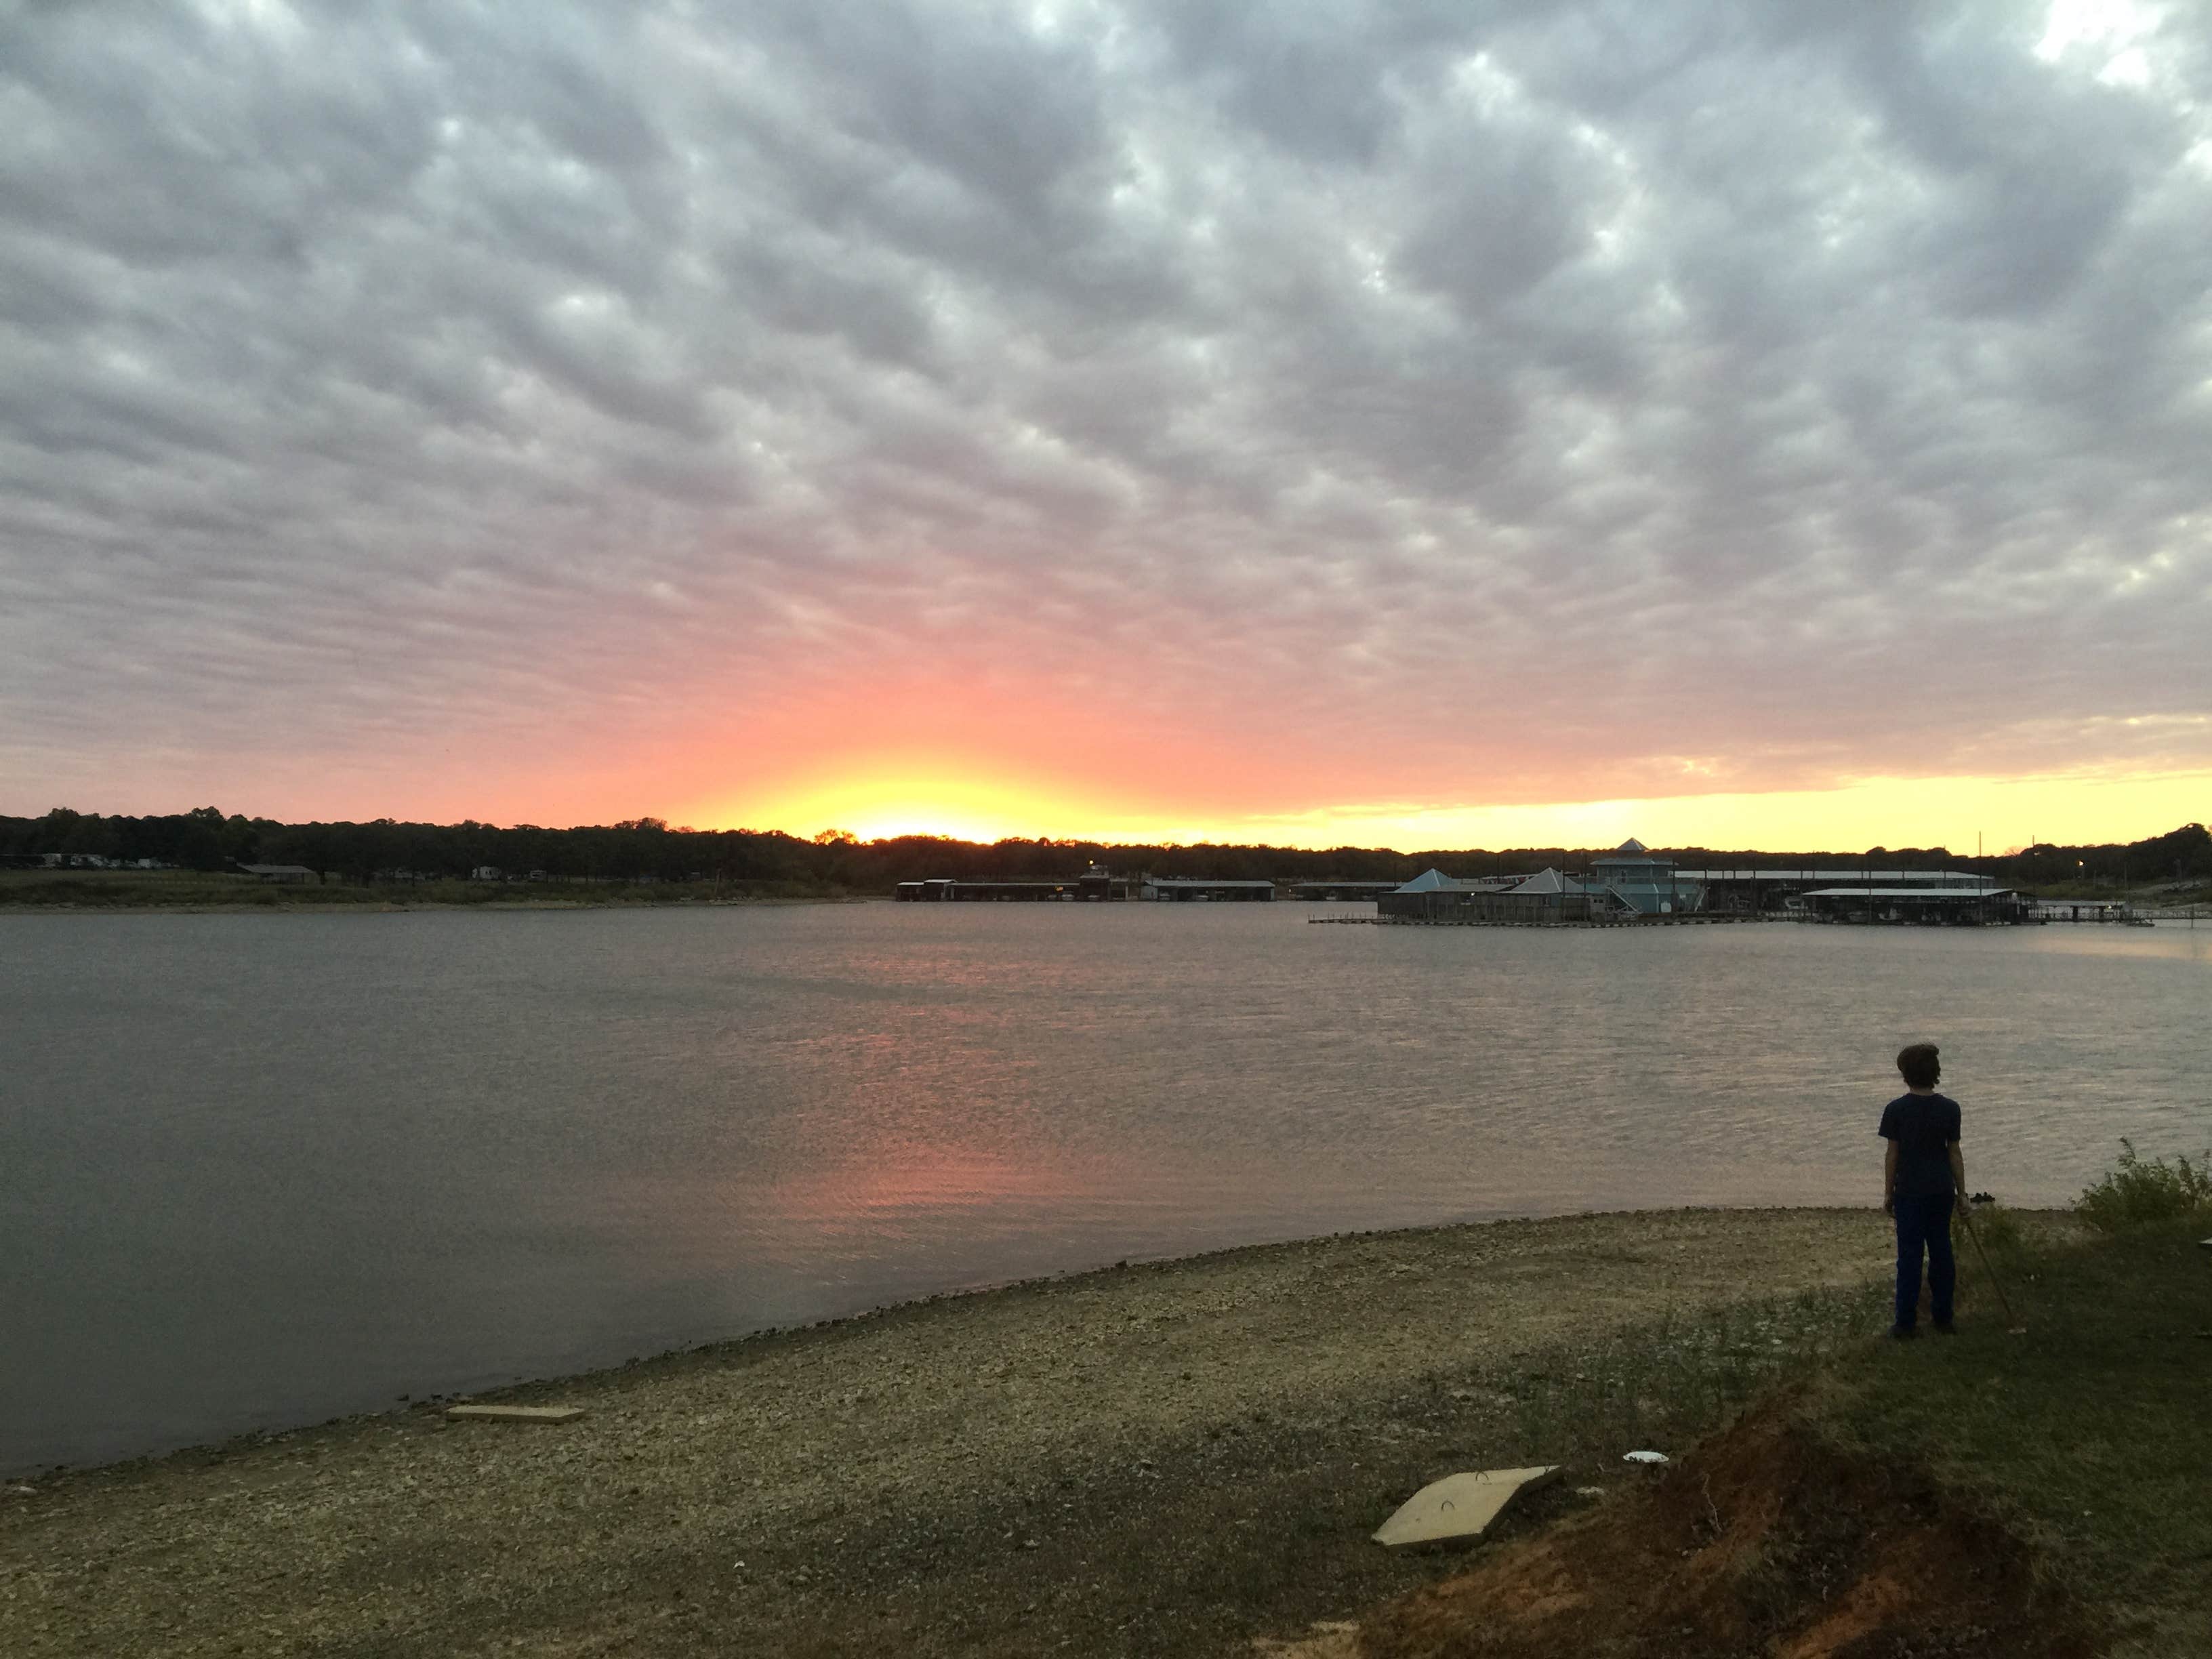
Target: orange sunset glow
<point>1996,813</point>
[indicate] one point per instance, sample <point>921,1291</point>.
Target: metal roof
<point>1548,880</point>
<point>1928,877</point>
<point>1436,881</point>
<point>1958,893</point>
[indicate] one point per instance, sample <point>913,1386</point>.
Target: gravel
<point>1159,1458</point>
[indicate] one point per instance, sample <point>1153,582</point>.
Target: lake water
<point>263,1169</point>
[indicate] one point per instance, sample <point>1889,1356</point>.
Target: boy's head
<point>1918,1064</point>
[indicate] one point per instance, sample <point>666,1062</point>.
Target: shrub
<point>1999,1230</point>
<point>2136,1194</point>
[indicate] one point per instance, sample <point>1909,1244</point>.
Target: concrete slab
<point>517,1414</point>
<point>1460,1505</point>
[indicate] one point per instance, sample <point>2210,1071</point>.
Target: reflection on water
<point>265,1169</point>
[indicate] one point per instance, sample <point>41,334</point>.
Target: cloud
<point>566,409</point>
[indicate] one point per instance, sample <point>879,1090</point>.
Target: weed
<point>1999,1232</point>
<point>1998,1227</point>
<point>2136,1194</point>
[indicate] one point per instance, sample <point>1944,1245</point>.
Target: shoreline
<point>396,906</point>
<point>202,1452</point>
<point>1034,1444</point>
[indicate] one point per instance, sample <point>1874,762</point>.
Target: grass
<point>2040,1476</point>
<point>2089,1434</point>
<point>1666,1384</point>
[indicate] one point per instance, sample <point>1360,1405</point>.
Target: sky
<point>1439,423</point>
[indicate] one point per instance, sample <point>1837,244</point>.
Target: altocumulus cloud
<point>1507,401</point>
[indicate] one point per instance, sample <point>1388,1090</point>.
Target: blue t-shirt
<point>1924,1126</point>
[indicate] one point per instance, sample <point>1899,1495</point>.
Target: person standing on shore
<point>1924,1179</point>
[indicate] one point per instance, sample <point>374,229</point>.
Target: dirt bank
<point>1157,1460</point>
<point>1767,1540</point>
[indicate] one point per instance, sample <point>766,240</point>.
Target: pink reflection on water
<point>890,1185</point>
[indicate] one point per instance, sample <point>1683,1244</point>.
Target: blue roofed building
<point>1647,885</point>
<point>1628,883</point>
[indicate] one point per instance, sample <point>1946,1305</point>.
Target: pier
<point>1478,921</point>
<point>2116,913</point>
<point>948,892</point>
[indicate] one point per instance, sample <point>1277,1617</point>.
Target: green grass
<point>2091,1433</point>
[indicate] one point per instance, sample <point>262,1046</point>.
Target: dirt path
<point>1154,1458</point>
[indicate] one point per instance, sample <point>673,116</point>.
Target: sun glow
<point>1957,812</point>
<point>877,797</point>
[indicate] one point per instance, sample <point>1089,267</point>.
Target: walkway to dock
<point>1624,921</point>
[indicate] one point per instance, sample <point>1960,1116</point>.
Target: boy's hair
<point>1918,1064</point>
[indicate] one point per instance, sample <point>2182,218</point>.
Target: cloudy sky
<point>1433,422</point>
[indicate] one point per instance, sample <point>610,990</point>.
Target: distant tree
<point>834,859</point>
<point>199,839</point>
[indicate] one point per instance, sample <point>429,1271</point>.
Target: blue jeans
<point>1924,1224</point>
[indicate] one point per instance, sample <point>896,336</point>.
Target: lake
<point>258,1170</point>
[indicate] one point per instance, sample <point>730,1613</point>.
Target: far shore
<point>1173,1458</point>
<point>381,905</point>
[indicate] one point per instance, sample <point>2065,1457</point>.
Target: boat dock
<point>2116,913</point>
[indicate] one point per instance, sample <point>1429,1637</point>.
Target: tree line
<point>646,849</point>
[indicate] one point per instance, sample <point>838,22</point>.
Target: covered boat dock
<point>1925,907</point>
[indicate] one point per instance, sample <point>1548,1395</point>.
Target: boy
<point>1923,1179</point>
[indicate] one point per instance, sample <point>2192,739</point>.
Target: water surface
<point>262,1170</point>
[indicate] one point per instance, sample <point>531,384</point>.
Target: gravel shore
<point>1167,1458</point>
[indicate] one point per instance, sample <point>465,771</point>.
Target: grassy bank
<point>2090,1435</point>
<point>2017,1491</point>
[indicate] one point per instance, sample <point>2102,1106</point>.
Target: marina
<point>1629,887</point>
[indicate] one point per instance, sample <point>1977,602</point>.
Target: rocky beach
<point>1172,1457</point>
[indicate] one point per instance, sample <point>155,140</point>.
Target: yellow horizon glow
<point>877,799</point>
<point>2086,807</point>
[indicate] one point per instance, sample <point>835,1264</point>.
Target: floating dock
<point>1571,921</point>
<point>2119,913</point>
